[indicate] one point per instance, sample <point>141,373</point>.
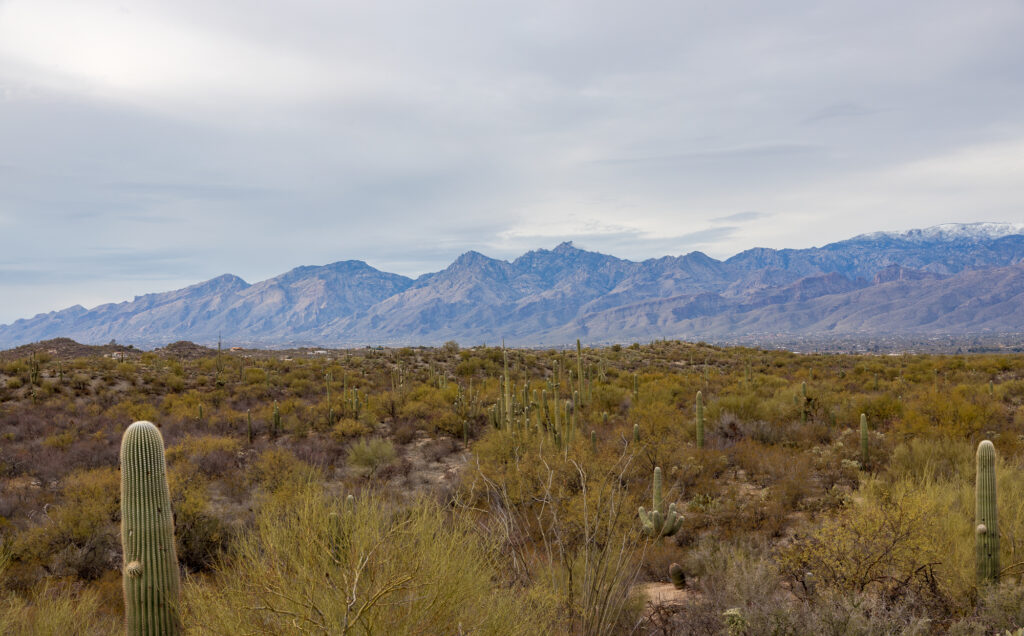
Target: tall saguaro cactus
<point>579,367</point>
<point>863,439</point>
<point>700,420</point>
<point>151,579</point>
<point>986,530</point>
<point>660,522</point>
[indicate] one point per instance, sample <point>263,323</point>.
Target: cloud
<point>839,111</point>
<point>205,139</point>
<point>740,217</point>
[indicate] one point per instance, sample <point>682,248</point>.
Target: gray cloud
<point>741,217</point>
<point>840,110</point>
<point>200,140</point>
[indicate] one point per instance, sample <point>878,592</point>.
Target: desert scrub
<point>79,537</point>
<point>368,455</point>
<point>55,611</point>
<point>369,567</point>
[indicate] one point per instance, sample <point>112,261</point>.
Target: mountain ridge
<point>944,276</point>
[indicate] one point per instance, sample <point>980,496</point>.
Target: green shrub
<point>318,564</point>
<point>371,454</point>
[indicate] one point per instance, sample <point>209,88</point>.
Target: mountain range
<point>954,278</point>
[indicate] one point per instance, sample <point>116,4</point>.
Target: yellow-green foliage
<point>276,469</point>
<point>430,408</point>
<point>52,611</point>
<point>77,535</point>
<point>370,455</point>
<point>880,542</point>
<point>347,427</point>
<point>914,522</point>
<point>959,412</point>
<point>132,410</point>
<point>315,564</point>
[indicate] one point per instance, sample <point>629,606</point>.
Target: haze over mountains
<point>956,278</point>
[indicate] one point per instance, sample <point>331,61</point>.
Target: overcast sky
<point>148,145</point>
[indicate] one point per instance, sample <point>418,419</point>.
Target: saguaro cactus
<point>677,576</point>
<point>660,522</point>
<point>986,530</point>
<point>151,579</point>
<point>579,367</point>
<point>863,439</point>
<point>700,420</point>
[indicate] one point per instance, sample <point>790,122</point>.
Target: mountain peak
<point>952,232</point>
<point>892,282</point>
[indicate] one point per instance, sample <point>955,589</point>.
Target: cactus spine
<point>660,522</point>
<point>151,579</point>
<point>863,439</point>
<point>700,420</point>
<point>986,533</point>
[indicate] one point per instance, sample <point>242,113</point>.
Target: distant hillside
<point>946,279</point>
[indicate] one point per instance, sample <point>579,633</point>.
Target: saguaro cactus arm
<point>151,579</point>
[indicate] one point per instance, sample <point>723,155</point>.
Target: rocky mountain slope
<point>946,279</point>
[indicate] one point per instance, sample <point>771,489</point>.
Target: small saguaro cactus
<point>863,439</point>
<point>151,578</point>
<point>677,576</point>
<point>700,420</point>
<point>803,402</point>
<point>636,432</point>
<point>660,522</point>
<point>986,524</point>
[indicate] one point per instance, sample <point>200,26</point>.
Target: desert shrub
<point>347,427</point>
<point>932,460</point>
<point>130,411</point>
<point>213,455</point>
<point>276,469</point>
<point>354,565</point>
<point>962,412</point>
<point>880,546</point>
<point>368,455</point>
<point>56,611</point>
<point>403,433</point>
<point>80,535</point>
<point>200,535</point>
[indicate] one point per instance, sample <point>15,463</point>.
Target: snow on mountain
<point>952,232</point>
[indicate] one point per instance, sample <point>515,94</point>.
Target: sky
<point>149,145</point>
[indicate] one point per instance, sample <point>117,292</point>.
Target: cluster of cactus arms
<point>986,531</point>
<point>151,579</point>
<point>660,522</point>
<point>700,420</point>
